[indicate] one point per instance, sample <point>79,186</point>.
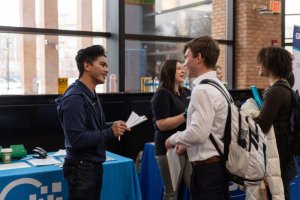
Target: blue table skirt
<point>120,181</point>
<point>152,188</point>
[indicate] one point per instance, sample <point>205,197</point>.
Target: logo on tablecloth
<point>55,188</point>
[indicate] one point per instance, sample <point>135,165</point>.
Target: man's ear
<point>199,57</point>
<point>86,66</point>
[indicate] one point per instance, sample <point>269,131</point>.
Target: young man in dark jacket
<point>84,126</point>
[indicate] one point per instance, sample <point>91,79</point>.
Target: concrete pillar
<point>28,47</point>
<point>48,48</point>
<point>84,21</point>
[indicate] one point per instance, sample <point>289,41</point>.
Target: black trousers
<point>209,182</point>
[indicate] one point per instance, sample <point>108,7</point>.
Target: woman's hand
<point>168,144</point>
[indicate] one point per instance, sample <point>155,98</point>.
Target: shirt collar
<point>207,75</point>
<point>85,89</point>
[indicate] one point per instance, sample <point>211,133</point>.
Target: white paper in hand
<point>174,167</point>
<point>134,120</point>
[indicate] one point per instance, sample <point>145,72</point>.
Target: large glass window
<point>292,6</point>
<point>39,39</point>
<point>31,63</point>
<point>10,80</point>
<point>144,59</point>
<point>290,21</point>
<point>62,14</point>
<point>157,30</point>
<point>9,10</point>
<point>292,17</point>
<point>169,18</point>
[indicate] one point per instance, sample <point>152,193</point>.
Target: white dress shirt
<point>207,113</point>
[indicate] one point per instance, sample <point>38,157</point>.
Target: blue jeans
<point>84,179</point>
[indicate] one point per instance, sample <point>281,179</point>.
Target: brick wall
<point>219,30</point>
<point>252,32</point>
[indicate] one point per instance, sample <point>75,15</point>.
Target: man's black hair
<point>89,55</point>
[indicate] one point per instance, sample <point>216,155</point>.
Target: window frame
<point>146,37</point>
<point>116,37</point>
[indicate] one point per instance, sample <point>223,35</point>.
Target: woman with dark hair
<point>168,106</point>
<point>275,63</point>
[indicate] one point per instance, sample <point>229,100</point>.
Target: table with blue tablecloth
<point>120,181</point>
<point>152,188</point>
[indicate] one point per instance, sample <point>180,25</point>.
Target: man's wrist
<point>185,113</point>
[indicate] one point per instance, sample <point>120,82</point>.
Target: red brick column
<point>49,68</point>
<point>85,23</point>
<point>28,47</point>
<point>219,30</point>
<point>253,31</point>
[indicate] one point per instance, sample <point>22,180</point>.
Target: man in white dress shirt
<point>207,114</point>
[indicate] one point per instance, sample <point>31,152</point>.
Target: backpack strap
<point>227,132</point>
<point>283,85</point>
<point>217,85</point>
<point>211,137</point>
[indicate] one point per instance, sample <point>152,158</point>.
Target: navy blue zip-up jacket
<point>83,123</point>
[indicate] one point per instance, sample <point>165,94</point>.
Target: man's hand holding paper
<point>134,119</point>
<point>119,127</point>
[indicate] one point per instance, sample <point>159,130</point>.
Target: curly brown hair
<point>277,60</point>
<point>207,47</point>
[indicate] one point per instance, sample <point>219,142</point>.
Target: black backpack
<point>294,137</point>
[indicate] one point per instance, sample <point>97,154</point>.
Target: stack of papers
<point>14,166</point>
<point>41,162</point>
<point>134,120</point>
<point>60,152</point>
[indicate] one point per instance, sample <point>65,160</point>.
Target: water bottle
<point>151,89</point>
<point>113,83</point>
<point>155,83</point>
<point>186,82</point>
